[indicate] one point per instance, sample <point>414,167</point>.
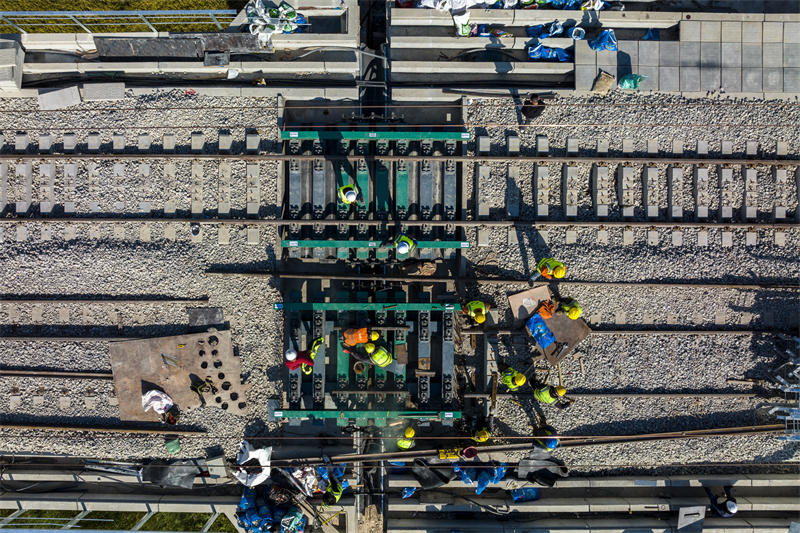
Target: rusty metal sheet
<point>171,364</point>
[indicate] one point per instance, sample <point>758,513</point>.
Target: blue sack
<point>605,41</point>
<point>546,53</point>
<point>528,494</point>
<point>498,473</point>
<point>248,499</point>
<point>484,478</point>
<point>535,31</point>
<point>652,35</point>
<point>467,474</point>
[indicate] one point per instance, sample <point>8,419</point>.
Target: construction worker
<point>513,379</point>
<point>724,508</point>
<point>312,353</point>
<point>295,360</point>
<point>378,355</point>
<point>547,444</point>
<point>407,442</point>
<point>404,244</point>
<point>356,336</point>
<point>348,194</point>
<point>549,268</point>
<point>571,308</point>
<point>549,395</point>
<point>476,310</point>
<point>482,435</point>
<point>333,492</point>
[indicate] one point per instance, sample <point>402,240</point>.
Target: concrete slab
<point>710,79</point>
<point>791,55</point>
<point>731,32</point>
<point>602,146</point>
<point>773,80</point>
<point>571,236</point>
<point>750,238</point>
<point>689,30</point>
<point>710,31</point>
<point>702,148</point>
<point>669,54</point>
<point>690,79</point>
<point>651,83</point>
<point>791,80</point>
<point>727,239</point>
<point>512,144</point>
<point>542,144</point>
<point>731,54</point>
<point>606,60</point>
<point>572,145</point>
<point>751,55</point>
<point>782,147</point>
<point>483,144</point>
<point>59,98</point>
<point>652,237</point>
<point>752,80</point>
<point>168,142</point>
<point>727,147</point>
<point>751,149</point>
<point>677,147</point>
<point>583,54</point>
<point>702,238</point>
<point>772,55</point>
<point>224,141</point>
<point>253,142</point>
<point>584,76</point>
<point>253,236</point>
<point>649,53</point>
<point>752,32</point>
<point>627,237</point>
<point>45,142</point>
<point>628,146</point>
<point>732,79</point>
<point>103,91</point>
<point>669,79</point>
<point>690,54</point>
<point>772,32</point>
<point>780,238</point>
<point>791,32</point>
<point>628,53</point>
<point>70,141</point>
<point>710,54</point>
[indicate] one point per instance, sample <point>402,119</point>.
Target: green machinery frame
<point>359,306</point>
<point>353,135</point>
<point>347,415</point>
<point>376,245</point>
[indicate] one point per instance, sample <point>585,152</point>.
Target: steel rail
<point>96,429</point>
<point>103,299</point>
<point>33,373</point>
<point>45,338</point>
<point>385,223</point>
<point>576,159</point>
<point>602,395</point>
<point>504,281</point>
<point>648,332</point>
<point>564,441</point>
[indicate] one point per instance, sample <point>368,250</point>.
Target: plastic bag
<point>461,22</point>
<point>248,499</point>
<point>555,28</point>
<point>307,478</point>
<point>253,477</point>
<point>293,521</point>
<point>631,81</point>
<point>467,474</point>
<point>408,492</point>
<point>652,35</point>
<point>528,494</point>
<point>158,401</point>
<point>577,33</point>
<point>605,41</point>
<point>542,52</point>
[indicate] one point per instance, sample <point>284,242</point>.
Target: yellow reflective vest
<point>381,357</point>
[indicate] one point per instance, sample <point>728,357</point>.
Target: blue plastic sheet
<point>248,499</point>
<point>542,52</point>
<point>528,494</point>
<point>483,475</point>
<point>540,332</point>
<point>605,41</point>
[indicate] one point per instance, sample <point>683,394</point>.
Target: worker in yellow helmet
<point>378,355</point>
<point>571,308</point>
<point>549,268</point>
<point>552,395</point>
<point>482,435</point>
<point>348,194</point>
<point>407,442</point>
<point>513,379</point>
<point>476,311</point>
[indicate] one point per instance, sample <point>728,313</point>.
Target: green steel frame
<point>346,415</point>
<point>325,243</point>
<point>371,306</point>
<point>332,134</point>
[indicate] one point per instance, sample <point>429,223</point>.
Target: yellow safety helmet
<point>479,317</point>
<point>519,380</point>
<point>559,271</point>
<point>369,347</point>
<point>410,433</point>
<point>482,435</point>
<point>373,336</point>
<point>561,391</point>
<point>574,313</point>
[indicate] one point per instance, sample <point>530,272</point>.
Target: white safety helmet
<point>351,195</point>
<point>403,247</point>
<point>291,354</point>
<point>732,507</point>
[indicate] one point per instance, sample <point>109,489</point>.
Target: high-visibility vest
<point>543,395</point>
<point>571,304</point>
<point>335,488</point>
<point>354,336</point>
<point>474,305</point>
<point>550,265</point>
<point>381,357</point>
<point>405,238</point>
<point>508,379</point>
<point>343,192</point>
<point>405,444</point>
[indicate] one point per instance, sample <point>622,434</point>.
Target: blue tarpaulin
<point>541,333</point>
<point>605,41</point>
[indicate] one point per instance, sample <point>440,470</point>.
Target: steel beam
<point>334,414</point>
<point>290,135</point>
<point>355,306</point>
<point>330,243</point>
